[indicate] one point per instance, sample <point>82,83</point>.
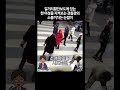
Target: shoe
<point>64,44</point>
<point>100,59</point>
<point>72,40</point>
<point>95,57</point>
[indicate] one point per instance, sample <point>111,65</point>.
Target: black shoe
<point>64,44</point>
<point>72,40</point>
<point>95,57</point>
<point>100,59</point>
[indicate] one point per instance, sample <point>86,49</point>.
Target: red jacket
<point>59,37</point>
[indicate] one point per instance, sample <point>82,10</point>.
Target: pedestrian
<point>29,53</point>
<point>59,37</point>
<point>101,74</point>
<point>43,65</point>
<point>104,40</point>
<point>78,43</point>
<point>105,5</point>
<point>89,14</point>
<point>66,32</point>
<point>72,33</point>
<point>50,43</point>
<point>55,30</point>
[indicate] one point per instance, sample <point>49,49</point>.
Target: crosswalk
<point>20,14</point>
<point>91,47</point>
<point>44,30</point>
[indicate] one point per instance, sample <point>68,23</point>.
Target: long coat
<point>31,46</point>
<point>59,37</point>
<point>50,44</point>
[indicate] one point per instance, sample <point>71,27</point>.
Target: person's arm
<point>26,36</point>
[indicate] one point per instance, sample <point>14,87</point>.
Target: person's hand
<point>43,44</point>
<point>22,44</point>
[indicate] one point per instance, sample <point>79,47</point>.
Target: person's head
<point>42,59</point>
<point>60,30</point>
<point>57,23</point>
<point>110,23</point>
<point>18,78</point>
<point>105,76</point>
<point>76,57</point>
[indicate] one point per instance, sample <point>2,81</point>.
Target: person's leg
<point>88,28</point>
<point>102,51</point>
<point>65,40</point>
<point>21,65</point>
<point>44,52</point>
<point>98,52</point>
<point>71,38</point>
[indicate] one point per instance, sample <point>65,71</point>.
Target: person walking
<point>49,44</point>
<point>55,30</point>
<point>104,40</point>
<point>78,42</point>
<point>72,33</point>
<point>59,37</point>
<point>66,32</point>
<point>29,53</point>
<point>89,14</point>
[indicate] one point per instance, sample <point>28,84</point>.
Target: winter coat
<point>59,37</point>
<point>50,44</point>
<point>30,50</point>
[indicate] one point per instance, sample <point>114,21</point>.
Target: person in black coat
<point>78,43</point>
<point>43,65</point>
<point>104,40</point>
<point>50,43</point>
<point>29,53</point>
<point>66,32</point>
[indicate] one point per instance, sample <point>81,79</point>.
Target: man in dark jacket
<point>104,40</point>
<point>55,30</point>
<point>50,43</point>
<point>29,53</point>
<point>66,32</point>
<point>43,65</point>
<point>78,43</point>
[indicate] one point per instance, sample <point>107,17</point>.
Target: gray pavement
<point>92,45</point>
<point>20,14</point>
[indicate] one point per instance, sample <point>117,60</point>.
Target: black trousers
<point>70,37</point>
<point>88,28</point>
<point>65,37</point>
<point>78,44</point>
<point>101,50</point>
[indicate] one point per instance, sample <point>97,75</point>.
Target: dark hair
<point>18,73</point>
<point>42,57</point>
<point>78,58</point>
<point>106,76</point>
<point>110,22</point>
